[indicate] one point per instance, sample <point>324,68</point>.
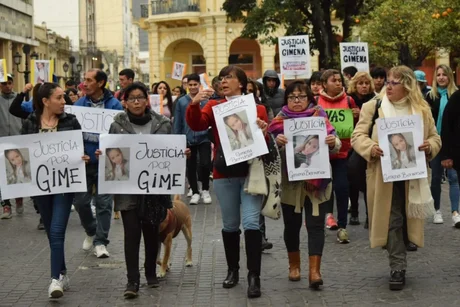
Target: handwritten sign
<point>93,120</point>
<point>399,138</point>
<point>156,103</point>
<point>142,164</point>
<point>342,120</point>
<point>204,80</point>
<point>355,54</point>
<point>42,164</point>
<point>240,137</point>
<point>307,154</point>
<point>41,71</point>
<point>178,71</point>
<point>295,60</point>
<point>3,71</point>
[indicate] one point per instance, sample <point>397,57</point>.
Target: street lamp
<point>65,67</point>
<point>17,61</point>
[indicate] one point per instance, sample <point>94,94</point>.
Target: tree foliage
<point>408,32</point>
<point>311,17</point>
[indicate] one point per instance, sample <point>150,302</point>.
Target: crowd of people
<point>392,209</point>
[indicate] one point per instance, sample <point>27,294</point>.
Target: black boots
<point>253,239</point>
<point>132,288</point>
<point>397,279</point>
<point>232,253</point>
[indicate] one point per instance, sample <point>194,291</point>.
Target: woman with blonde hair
<point>392,205</point>
<point>442,90</point>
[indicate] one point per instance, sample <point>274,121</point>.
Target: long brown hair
<point>123,161</point>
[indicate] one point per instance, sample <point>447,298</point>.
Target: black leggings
<point>315,228</point>
<point>203,153</point>
<point>134,228</point>
<point>354,199</point>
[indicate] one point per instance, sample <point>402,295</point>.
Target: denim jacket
<point>181,126</point>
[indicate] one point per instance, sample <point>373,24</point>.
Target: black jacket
<point>434,104</point>
<point>451,130</point>
<point>17,110</point>
<point>66,122</point>
<point>359,102</point>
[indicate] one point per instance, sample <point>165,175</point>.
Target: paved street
<point>354,274</point>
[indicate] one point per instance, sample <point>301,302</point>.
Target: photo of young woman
<point>239,132</point>
<point>17,166</point>
<point>307,147</point>
<point>402,151</point>
<point>117,165</point>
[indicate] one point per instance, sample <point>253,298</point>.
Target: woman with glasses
<point>236,205</point>
<point>392,206</point>
<point>437,97</point>
<point>300,103</point>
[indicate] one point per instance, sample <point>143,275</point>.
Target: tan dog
<point>178,219</point>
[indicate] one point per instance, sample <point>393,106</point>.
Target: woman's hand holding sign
<point>330,141</point>
<point>262,125</point>
<point>281,140</point>
<point>86,158</point>
<point>355,112</point>
<point>426,147</point>
<point>376,152</point>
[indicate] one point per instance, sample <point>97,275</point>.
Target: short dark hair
<point>301,86</point>
<point>315,77</point>
<point>100,76</point>
<point>239,73</point>
<point>350,70</point>
<point>136,86</point>
<point>71,90</point>
<point>215,80</point>
<point>194,77</point>
<point>378,72</point>
<point>129,73</point>
<point>71,83</point>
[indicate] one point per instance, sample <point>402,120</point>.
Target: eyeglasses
<point>227,77</point>
<point>139,99</point>
<point>392,83</point>
<point>300,98</point>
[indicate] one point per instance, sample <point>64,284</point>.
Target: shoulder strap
<point>378,103</point>
<point>316,99</point>
<point>349,102</point>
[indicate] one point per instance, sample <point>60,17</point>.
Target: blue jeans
<point>55,212</point>
<point>340,189</point>
<point>99,226</point>
<point>235,202</point>
<point>436,175</point>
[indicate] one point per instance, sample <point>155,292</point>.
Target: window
<point>236,59</point>
<point>198,64</point>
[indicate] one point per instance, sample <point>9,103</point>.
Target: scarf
<point>139,120</point>
<point>420,200</point>
<point>317,187</point>
<point>442,105</point>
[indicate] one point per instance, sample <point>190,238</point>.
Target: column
<point>154,53</point>
<point>222,50</point>
<point>210,51</point>
<point>268,57</point>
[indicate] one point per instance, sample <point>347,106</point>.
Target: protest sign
<point>142,164</point>
<point>355,54</point>
<point>3,71</point>
<point>156,103</point>
<point>178,71</point>
<point>42,164</point>
<point>42,71</point>
<point>204,80</point>
<point>342,120</point>
<point>295,57</point>
<point>399,138</point>
<point>93,120</point>
<point>307,154</point>
<point>240,137</point>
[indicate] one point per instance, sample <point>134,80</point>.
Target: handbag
<point>236,170</point>
<point>255,182</point>
<point>153,209</point>
<point>271,205</point>
<point>357,165</point>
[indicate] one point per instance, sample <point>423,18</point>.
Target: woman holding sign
<point>49,117</point>
<point>299,103</point>
<point>392,205</point>
<point>235,203</point>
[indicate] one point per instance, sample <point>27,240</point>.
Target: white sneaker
<point>55,290</point>
<point>456,221</point>
<point>65,282</point>
<point>195,199</point>
<point>437,219</point>
<point>206,197</point>
<point>88,243</point>
<point>190,193</point>
<point>101,251</point>
<point>72,209</point>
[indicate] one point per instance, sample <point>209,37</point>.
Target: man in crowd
<point>70,84</point>
<point>379,75</point>
<point>274,94</point>
<point>185,82</point>
<point>9,125</point>
<point>97,229</point>
<point>422,83</point>
<point>349,72</point>
<point>126,78</point>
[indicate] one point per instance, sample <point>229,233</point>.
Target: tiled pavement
<point>354,274</point>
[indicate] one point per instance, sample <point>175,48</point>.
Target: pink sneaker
<point>331,223</point>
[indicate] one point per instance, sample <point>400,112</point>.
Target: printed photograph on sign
<point>306,149</point>
<point>117,164</point>
<point>17,166</point>
<point>239,132</point>
<point>156,103</point>
<point>402,150</point>
<point>178,70</point>
<point>3,71</point>
<point>41,71</point>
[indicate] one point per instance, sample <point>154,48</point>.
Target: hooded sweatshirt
<point>338,102</point>
<point>275,96</point>
<point>9,124</point>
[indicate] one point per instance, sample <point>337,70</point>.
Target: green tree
<point>311,17</point>
<point>408,32</point>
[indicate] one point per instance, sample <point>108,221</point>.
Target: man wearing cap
<point>9,125</point>
<point>421,80</point>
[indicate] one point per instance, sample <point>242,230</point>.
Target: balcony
<point>171,12</point>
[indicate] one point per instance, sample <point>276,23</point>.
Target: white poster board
<point>355,54</point>
<point>41,71</point>
<point>295,59</point>
<point>240,137</point>
<point>3,71</point>
<point>142,164</point>
<point>42,164</point>
<point>400,138</point>
<point>307,154</point>
<point>156,103</point>
<point>178,71</point>
<point>204,81</point>
<point>93,120</point>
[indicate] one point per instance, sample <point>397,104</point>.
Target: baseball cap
<point>420,76</point>
<point>10,77</point>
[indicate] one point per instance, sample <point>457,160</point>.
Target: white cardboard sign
<point>355,54</point>
<point>295,60</point>
<point>178,71</point>
<point>93,120</point>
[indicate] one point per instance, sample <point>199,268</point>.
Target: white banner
<point>295,59</point>
<point>355,54</point>
<point>42,164</point>
<point>400,138</point>
<point>240,137</point>
<point>142,164</point>
<point>93,120</point>
<point>178,71</point>
<point>156,103</point>
<point>307,154</point>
